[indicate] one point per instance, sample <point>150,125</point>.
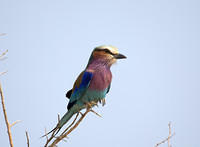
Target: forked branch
<point>168,138</point>
<point>6,118</point>
<point>69,129</point>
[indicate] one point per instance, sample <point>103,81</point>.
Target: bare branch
<point>58,139</point>
<point>6,118</point>
<point>168,138</point>
<point>95,113</point>
<point>14,123</point>
<point>46,133</point>
<point>27,138</point>
<point>71,127</point>
<point>168,141</point>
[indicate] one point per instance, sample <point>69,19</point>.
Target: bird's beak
<point>119,56</point>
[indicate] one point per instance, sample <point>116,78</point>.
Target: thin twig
<point>52,135</point>
<point>58,139</point>
<point>95,113</point>
<point>46,133</point>
<point>14,123</point>
<point>168,138</point>
<point>27,138</point>
<point>164,140</point>
<point>6,118</point>
<point>168,141</point>
<point>3,53</point>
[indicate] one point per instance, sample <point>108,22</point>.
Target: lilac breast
<point>101,79</point>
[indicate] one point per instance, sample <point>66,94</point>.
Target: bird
<point>93,83</point>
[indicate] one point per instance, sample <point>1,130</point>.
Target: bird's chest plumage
<point>101,80</point>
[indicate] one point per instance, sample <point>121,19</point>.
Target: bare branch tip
<point>14,123</point>
<point>27,138</point>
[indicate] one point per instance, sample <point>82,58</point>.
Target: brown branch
<point>27,138</point>
<point>95,113</point>
<point>53,136</point>
<point>70,128</point>
<point>61,137</point>
<point>6,118</point>
<point>168,138</point>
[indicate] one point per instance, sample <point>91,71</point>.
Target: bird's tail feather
<point>61,123</point>
<point>66,118</point>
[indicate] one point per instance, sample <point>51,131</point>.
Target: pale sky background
<point>50,42</point>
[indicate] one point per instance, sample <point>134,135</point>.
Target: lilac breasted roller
<point>92,84</point>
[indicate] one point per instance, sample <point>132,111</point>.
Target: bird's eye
<point>108,51</point>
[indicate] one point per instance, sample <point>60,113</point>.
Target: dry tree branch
<point>58,139</point>
<point>4,108</point>
<point>27,138</point>
<point>14,123</point>
<point>45,134</point>
<point>70,128</point>
<point>6,118</point>
<point>8,125</point>
<point>168,141</point>
<point>168,138</point>
<point>95,113</point>
<point>53,136</point>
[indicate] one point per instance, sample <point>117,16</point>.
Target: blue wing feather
<point>79,90</point>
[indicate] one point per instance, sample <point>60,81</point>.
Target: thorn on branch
<point>95,113</point>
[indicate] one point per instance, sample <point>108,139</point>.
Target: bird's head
<point>109,54</point>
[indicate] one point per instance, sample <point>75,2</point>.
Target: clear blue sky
<point>49,44</point>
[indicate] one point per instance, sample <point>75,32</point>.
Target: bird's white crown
<point>111,48</point>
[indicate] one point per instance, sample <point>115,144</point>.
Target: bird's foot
<point>103,101</point>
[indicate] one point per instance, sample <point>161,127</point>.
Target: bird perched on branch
<point>92,84</point>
